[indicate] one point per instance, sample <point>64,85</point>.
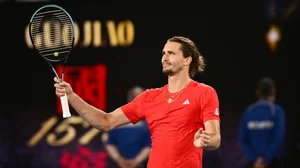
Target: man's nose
<point>165,57</point>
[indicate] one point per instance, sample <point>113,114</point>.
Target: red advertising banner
<point>89,82</point>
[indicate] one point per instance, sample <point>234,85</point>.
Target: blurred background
<point>118,46</point>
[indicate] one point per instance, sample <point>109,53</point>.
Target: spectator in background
<point>262,128</point>
<point>129,145</point>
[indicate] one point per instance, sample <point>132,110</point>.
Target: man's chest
<point>183,111</point>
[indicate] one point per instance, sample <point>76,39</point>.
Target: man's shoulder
<point>261,103</point>
<point>154,90</point>
<point>202,87</point>
<point>150,93</point>
<point>279,107</point>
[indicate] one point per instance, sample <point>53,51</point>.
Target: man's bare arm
<point>212,128</point>
<point>143,155</point>
<point>96,117</point>
<point>113,152</point>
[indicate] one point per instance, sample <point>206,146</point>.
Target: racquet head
<point>52,32</point>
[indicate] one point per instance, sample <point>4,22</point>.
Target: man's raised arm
<point>95,117</point>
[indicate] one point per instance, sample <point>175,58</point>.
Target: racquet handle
<point>65,106</point>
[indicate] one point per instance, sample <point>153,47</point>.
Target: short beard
<point>168,72</point>
<point>171,72</point>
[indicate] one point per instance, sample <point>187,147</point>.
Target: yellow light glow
<point>273,36</point>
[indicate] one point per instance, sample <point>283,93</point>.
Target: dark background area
<point>230,35</point>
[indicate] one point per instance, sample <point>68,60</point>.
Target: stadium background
<point>230,35</point>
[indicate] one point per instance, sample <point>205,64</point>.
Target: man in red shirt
<point>183,115</point>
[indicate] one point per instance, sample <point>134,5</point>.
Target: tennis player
<point>183,116</point>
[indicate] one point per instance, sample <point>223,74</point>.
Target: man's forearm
<point>95,117</point>
<point>214,143</point>
<point>143,155</point>
<point>213,130</point>
<point>113,152</point>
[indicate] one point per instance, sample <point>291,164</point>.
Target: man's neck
<point>178,82</point>
<point>270,98</point>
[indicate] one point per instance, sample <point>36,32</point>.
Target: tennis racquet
<point>52,34</point>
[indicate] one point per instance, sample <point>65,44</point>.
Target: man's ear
<point>188,60</point>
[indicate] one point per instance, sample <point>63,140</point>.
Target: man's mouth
<point>166,64</point>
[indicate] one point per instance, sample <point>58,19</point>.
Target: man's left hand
<point>201,138</point>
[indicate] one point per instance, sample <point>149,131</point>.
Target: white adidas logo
<point>186,102</point>
<point>217,111</point>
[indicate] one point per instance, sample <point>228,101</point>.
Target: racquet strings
<point>52,33</point>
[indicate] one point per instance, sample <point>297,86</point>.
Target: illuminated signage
<point>96,34</point>
<point>67,128</point>
<point>49,42</point>
<point>84,157</point>
<point>89,82</point>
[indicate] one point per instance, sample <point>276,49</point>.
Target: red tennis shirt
<point>173,125</point>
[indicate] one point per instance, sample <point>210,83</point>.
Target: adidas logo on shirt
<point>217,111</point>
<point>186,102</point>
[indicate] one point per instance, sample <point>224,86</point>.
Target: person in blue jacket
<point>129,146</point>
<point>262,128</point>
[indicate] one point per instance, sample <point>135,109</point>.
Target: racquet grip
<point>65,106</point>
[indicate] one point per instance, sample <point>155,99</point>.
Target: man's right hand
<point>122,163</point>
<point>62,88</point>
<point>259,163</point>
